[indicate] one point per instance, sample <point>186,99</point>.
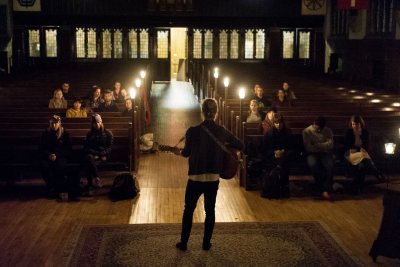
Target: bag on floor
<point>124,187</point>
<point>270,187</point>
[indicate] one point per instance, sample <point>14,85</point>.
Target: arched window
<point>208,44</point>
<point>223,44</point>
<point>162,44</point>
<point>51,42</point>
<point>234,45</point>
<point>34,43</point>
<point>144,43</point>
<point>133,43</point>
<point>288,44</point>
<point>197,40</point>
<point>249,44</point>
<point>106,40</point>
<point>117,44</point>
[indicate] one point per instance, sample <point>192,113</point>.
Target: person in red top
<point>116,91</point>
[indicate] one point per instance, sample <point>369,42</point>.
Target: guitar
<point>230,162</point>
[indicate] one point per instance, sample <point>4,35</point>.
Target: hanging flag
<point>313,7</point>
<point>26,5</point>
<point>352,4</point>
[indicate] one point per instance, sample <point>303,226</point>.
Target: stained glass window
<point>106,38</point>
<point>34,43</point>
<point>288,43</point>
<point>117,44</point>
<point>260,44</point>
<point>144,43</point>
<point>304,45</point>
<point>133,45</point>
<point>51,42</point>
<point>223,44</point>
<point>197,39</point>
<point>162,44</point>
<point>234,45</point>
<point>208,44</point>
<point>249,44</point>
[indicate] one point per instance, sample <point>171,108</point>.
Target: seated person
<point>66,90</point>
<point>128,108</point>
<point>124,95</point>
<point>97,148</point>
<point>268,123</point>
<point>281,100</point>
<point>116,92</point>
<point>76,111</point>
<point>356,143</point>
<point>58,101</point>
<point>108,105</point>
<point>318,143</point>
<point>276,150</point>
<point>288,92</point>
<point>254,115</point>
<point>263,102</point>
<point>55,149</point>
<point>94,100</point>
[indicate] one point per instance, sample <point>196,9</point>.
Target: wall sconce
<point>390,148</point>
<point>142,74</point>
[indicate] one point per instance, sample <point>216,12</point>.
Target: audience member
<point>55,149</point>
<point>58,100</point>
<point>98,145</point>
<point>281,100</point>
<point>263,102</point>
<point>108,105</point>
<point>268,123</point>
<point>356,144</point>
<point>123,95</point>
<point>76,111</point>
<point>94,101</point>
<point>318,143</point>
<point>128,108</point>
<point>116,93</point>
<point>288,92</point>
<point>276,150</point>
<point>254,115</point>
<point>67,92</point>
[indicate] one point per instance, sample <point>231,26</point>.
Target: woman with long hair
<point>94,100</point>
<point>356,145</point>
<point>58,100</point>
<point>254,115</point>
<point>97,148</point>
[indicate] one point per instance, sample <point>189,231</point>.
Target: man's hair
<point>320,122</point>
<point>209,108</point>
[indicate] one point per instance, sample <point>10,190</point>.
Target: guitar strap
<point>220,144</point>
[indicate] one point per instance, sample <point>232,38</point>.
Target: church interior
<point>340,58</point>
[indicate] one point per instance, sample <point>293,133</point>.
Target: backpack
<point>124,187</point>
<point>271,183</point>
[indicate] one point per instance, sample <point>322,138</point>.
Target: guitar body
<point>230,164</point>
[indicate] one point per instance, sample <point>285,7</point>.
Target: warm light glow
<point>216,73</point>
<point>341,88</point>
<point>132,92</point>
<point>376,101</point>
<point>138,82</point>
<point>396,104</point>
<point>369,94</point>
<point>359,97</point>
<point>399,131</point>
<point>142,74</point>
<point>388,109</point>
<point>226,81</point>
<point>242,93</point>
<point>353,91</point>
<point>389,148</point>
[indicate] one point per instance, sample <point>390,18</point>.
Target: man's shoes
<point>181,246</point>
<point>206,246</point>
<point>97,182</point>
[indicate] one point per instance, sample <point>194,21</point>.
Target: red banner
<point>352,4</point>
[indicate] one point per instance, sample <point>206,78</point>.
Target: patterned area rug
<point>234,244</point>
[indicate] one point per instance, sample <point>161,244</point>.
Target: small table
<point>388,241</point>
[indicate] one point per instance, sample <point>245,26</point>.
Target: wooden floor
<point>33,230</point>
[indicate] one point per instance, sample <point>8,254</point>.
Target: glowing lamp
<point>390,148</point>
